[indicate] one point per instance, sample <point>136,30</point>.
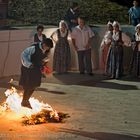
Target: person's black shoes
<point>82,73</point>
<point>26,104</point>
<point>91,74</point>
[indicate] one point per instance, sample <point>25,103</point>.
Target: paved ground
<point>99,109</point>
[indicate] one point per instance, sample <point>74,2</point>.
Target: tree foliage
<point>52,11</point>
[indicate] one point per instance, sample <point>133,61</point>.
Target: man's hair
<point>48,42</point>
<point>40,27</point>
<point>82,18</point>
<point>74,4</point>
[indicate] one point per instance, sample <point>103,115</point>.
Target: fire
<point>40,112</point>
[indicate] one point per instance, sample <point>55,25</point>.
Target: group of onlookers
<point>111,51</point>
<point>34,58</point>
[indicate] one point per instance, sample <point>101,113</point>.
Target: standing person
<point>39,36</point>
<point>33,59</point>
<point>105,45</point>
<point>134,13</point>
<point>81,38</point>
<point>135,62</point>
<point>72,16</point>
<point>62,56</point>
<point>115,56</point>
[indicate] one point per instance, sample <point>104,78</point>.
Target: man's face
<point>81,22</point>
<point>45,47</point>
<point>76,8</point>
<point>135,3</point>
<point>40,31</point>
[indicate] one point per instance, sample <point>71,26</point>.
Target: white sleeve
<point>26,56</point>
<point>91,33</point>
<point>107,37</point>
<point>54,35</point>
<point>126,39</point>
<point>73,34</point>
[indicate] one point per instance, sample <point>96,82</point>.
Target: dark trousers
<point>27,93</point>
<point>135,22</point>
<point>84,60</point>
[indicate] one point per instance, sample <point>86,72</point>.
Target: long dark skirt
<point>114,66</point>
<point>30,77</point>
<point>62,57</point>
<point>135,63</point>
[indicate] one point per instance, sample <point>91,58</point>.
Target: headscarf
<point>138,26</point>
<point>63,22</point>
<point>116,23</point>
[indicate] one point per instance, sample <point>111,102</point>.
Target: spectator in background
<point>72,15</point>
<point>81,38</point>
<point>105,45</point>
<point>135,62</point>
<point>134,13</point>
<point>39,36</point>
<point>115,54</point>
<point>62,56</point>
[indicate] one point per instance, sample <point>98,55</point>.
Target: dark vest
<point>36,39</point>
<point>38,56</point>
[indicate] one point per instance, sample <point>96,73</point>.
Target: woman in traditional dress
<point>115,55</point>
<point>105,44</point>
<point>135,62</point>
<point>61,59</point>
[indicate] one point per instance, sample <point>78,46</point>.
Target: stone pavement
<point>99,109</point>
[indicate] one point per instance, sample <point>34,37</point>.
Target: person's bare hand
<point>31,66</point>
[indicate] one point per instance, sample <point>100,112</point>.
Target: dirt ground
<point>99,109</point>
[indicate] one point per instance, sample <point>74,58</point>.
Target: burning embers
<point>40,112</point>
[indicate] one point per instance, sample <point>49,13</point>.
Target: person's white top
<point>137,36</point>
<point>40,38</point>
<point>107,39</point>
<point>81,36</point>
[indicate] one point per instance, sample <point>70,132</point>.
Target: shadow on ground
<point>101,135</point>
<point>97,80</point>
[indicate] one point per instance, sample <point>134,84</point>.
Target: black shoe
<point>91,74</point>
<point>26,104</point>
<point>82,73</point>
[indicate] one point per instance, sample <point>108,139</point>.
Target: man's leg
<point>26,96</point>
<point>88,61</point>
<point>81,61</point>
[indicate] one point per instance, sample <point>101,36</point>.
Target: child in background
<point>39,36</point>
<point>134,13</point>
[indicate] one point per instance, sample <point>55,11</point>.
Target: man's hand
<point>87,46</point>
<point>31,66</point>
<point>76,48</point>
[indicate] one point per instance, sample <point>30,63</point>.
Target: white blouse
<point>137,36</point>
<point>125,38</point>
<point>115,36</point>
